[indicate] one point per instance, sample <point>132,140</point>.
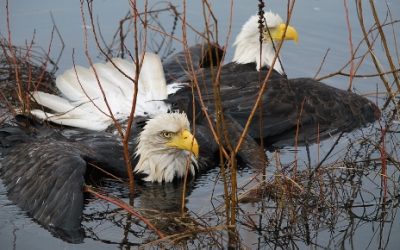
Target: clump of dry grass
<point>22,70</point>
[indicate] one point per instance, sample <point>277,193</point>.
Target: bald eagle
<point>301,106</point>
<point>45,169</point>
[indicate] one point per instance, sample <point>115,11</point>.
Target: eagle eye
<point>166,134</point>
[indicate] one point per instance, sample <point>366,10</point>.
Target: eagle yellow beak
<point>185,140</point>
<point>278,33</point>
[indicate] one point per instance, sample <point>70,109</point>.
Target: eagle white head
<point>247,42</point>
<point>165,147</point>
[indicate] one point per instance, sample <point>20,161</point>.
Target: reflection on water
<point>342,205</point>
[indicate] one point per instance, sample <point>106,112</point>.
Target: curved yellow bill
<point>278,32</point>
<point>185,140</point>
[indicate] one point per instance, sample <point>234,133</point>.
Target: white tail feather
<point>53,102</point>
<point>77,122</point>
<point>84,104</point>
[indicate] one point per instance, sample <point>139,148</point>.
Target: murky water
<point>321,26</point>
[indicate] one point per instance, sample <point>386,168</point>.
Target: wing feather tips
<point>86,122</point>
<point>53,102</point>
<point>152,77</point>
<point>68,114</point>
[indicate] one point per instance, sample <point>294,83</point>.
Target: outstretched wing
<point>44,170</point>
<point>48,184</point>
